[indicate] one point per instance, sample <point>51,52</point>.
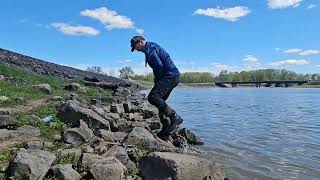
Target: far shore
<point>148,85</point>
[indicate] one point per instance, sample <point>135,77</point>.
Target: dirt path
<point>31,104</point>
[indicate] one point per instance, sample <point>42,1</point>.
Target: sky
<point>200,36</point>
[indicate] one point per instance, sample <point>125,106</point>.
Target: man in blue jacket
<point>166,77</point>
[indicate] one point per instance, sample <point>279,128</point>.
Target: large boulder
<point>7,121</point>
<point>28,130</point>
<point>80,135</point>
<point>46,88</point>
<point>108,169</point>
<point>121,154</point>
<point>31,164</point>
<point>11,138</point>
<point>190,137</point>
<point>138,136</point>
<point>145,108</point>
<point>108,136</point>
<point>165,165</point>
<point>72,87</point>
<point>64,172</point>
<point>72,112</point>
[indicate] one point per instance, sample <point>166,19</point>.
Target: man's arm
<point>158,70</point>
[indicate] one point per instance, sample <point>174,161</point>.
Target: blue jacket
<point>160,62</point>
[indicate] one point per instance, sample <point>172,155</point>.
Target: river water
<point>256,133</point>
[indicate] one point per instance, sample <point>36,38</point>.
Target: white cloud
<point>111,19</point>
<point>75,30</point>
<point>140,31</point>
<point>277,49</point>
<point>250,59</point>
<point>289,62</point>
<point>229,14</point>
<point>125,61</point>
<point>294,50</point>
<point>280,4</point>
<point>309,52</point>
<point>311,6</point>
<point>217,67</point>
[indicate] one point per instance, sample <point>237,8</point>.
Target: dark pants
<point>161,91</point>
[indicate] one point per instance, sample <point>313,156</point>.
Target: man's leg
<point>157,96</point>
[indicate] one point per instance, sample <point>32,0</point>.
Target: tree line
<point>224,75</point>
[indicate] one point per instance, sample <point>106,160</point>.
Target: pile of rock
<point>109,138</point>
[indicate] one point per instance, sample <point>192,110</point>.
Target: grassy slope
<point>15,89</point>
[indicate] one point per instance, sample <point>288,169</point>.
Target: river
<point>256,133</point>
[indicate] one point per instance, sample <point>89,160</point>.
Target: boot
<point>165,123</point>
<point>175,121</point>
<point>174,118</point>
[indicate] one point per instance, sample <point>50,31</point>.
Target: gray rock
<point>89,159</point>
<point>47,145</point>
<point>10,138</point>
<point>80,135</point>
<point>28,130</point>
<point>137,117</point>
<point>1,77</point>
<point>116,108</point>
<point>108,169</point>
<point>57,98</point>
<point>7,121</point>
<point>5,133</point>
<point>99,145</point>
<point>43,87</point>
<point>190,137</point>
<point>108,136</point>
<point>31,164</point>
<point>72,87</point>
<point>146,109</point>
<point>108,100</point>
<point>180,141</point>
<point>57,137</point>
<point>73,96</point>
<point>116,122</point>
<point>165,165</point>
<point>121,154</point>
<point>72,112</point>
<point>35,144</point>
<point>64,172</point>
<point>87,149</point>
<point>98,110</point>
<point>119,136</point>
<point>139,135</point>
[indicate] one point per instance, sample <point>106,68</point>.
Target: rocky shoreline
<point>107,138</point>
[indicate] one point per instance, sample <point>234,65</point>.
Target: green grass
<point>7,155</point>
<point>22,86</point>
<point>21,90</point>
<point>48,130</point>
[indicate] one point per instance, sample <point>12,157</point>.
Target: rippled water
<point>265,133</point>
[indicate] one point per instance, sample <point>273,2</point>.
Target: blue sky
<point>206,35</point>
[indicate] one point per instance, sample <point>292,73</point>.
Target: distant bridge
<point>262,83</point>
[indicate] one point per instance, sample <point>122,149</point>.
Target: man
<point>166,77</point>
